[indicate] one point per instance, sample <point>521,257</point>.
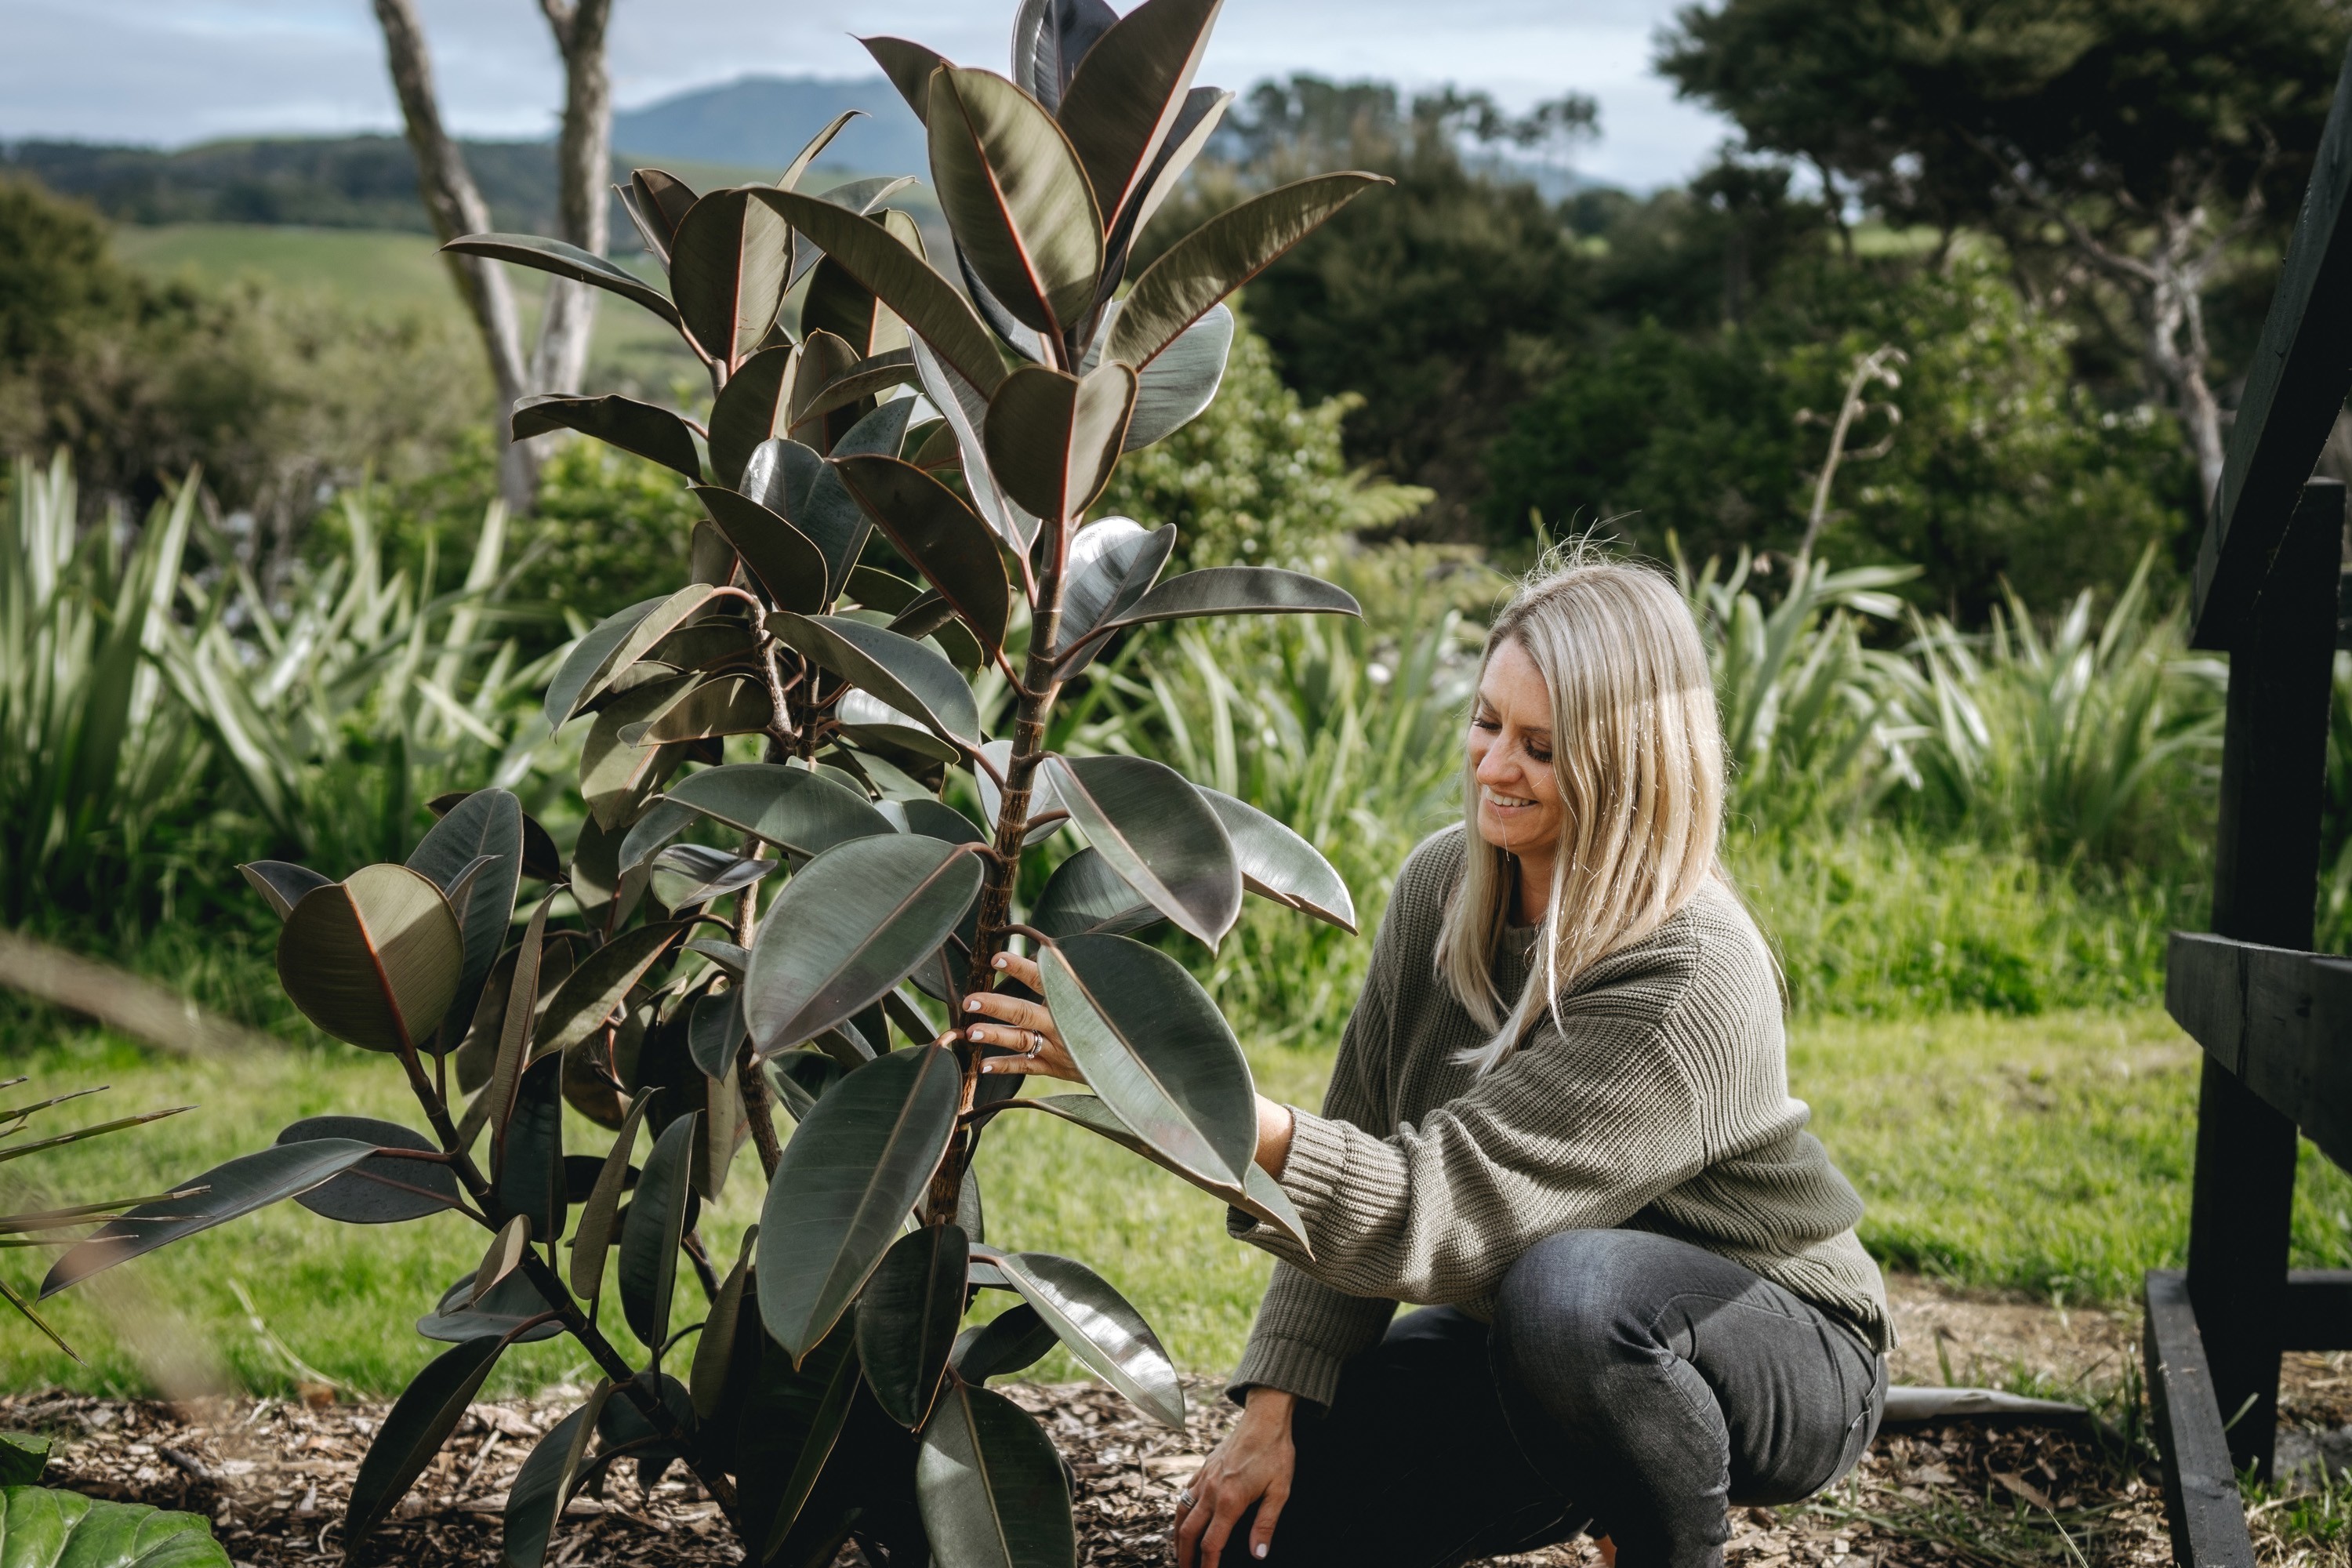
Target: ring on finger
<point>1036,1043</point>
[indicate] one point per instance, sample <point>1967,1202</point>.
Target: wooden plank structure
<point>2274,1019</point>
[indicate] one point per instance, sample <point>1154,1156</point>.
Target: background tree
<point>1439,311</point>
<point>583,152</point>
<point>2128,143</point>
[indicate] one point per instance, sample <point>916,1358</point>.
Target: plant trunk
<point>1039,688</point>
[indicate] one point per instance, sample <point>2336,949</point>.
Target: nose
<point>1495,764</point>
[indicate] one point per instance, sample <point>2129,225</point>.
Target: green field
<point>2047,1154</point>
<point>394,271</point>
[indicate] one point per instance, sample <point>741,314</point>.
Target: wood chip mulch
<point>273,1475</point>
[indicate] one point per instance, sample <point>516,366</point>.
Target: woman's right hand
<point>1253,1465</point>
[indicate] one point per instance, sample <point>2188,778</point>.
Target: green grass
<point>391,270</point>
<point>2048,1154</point>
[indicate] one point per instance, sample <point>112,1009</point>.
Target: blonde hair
<point>1637,752</point>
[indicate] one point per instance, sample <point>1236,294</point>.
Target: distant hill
<point>764,121</point>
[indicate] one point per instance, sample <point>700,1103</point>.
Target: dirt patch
<point>273,1475</point>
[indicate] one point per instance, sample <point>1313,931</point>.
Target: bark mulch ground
<point>273,1475</point>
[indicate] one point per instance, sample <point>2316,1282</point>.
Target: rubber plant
<point>897,485</point>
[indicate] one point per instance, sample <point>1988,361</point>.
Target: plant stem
<point>758,1109</point>
<point>1037,690</point>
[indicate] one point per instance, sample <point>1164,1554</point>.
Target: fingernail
<point>1000,961</point>
<point>985,1067</point>
<point>971,1004</point>
<point>979,1035</point>
<point>1259,1549</point>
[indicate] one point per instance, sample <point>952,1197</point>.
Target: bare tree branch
<point>583,157</point>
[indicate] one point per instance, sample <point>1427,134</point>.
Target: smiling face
<point>1510,756</point>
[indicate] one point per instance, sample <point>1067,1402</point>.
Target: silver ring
<point>1187,1501</point>
<point>1037,1042</point>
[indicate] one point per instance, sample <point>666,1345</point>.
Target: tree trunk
<point>584,158</point>
<point>457,207</point>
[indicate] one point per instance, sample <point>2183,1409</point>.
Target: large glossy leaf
<point>778,473</point>
<point>591,657</point>
<point>1241,590</point>
<point>1222,255</point>
<point>1257,1194</point>
<point>1175,388</point>
<point>1085,896</point>
<point>906,1319</point>
<point>486,822</point>
<point>544,1483</point>
<point>839,304</point>
<point>1157,1051</point>
<point>381,1191</point>
<point>593,1236</point>
<point>1014,192</point>
<point>790,179</point>
<point>787,562</point>
<point>1154,829</point>
<point>374,959</point>
<point>651,433</point>
<point>1053,439</point>
<point>850,925</point>
<point>964,408</point>
<point>282,882</point>
<point>832,516</point>
<point>917,680</point>
<point>880,372</point>
<point>750,408</point>
<point>738,704</point>
<point>851,1173</point>
<point>1100,1328</point>
<point>529,1163</point>
<point>901,279</point>
<point>657,202</point>
<point>618,776</point>
<point>1013,1338</point>
<point>1049,38</point>
<point>1130,91</point>
<point>909,67</point>
<point>567,262</point>
<point>457,1318</point>
<point>728,266</point>
<point>1113,563</point>
<point>800,812</point>
<point>687,875</point>
<point>1202,111</point>
<point>591,992</point>
<point>792,1423</point>
<point>714,1348</point>
<point>654,1227</point>
<point>991,1486</point>
<point>224,1193</point>
<point>420,1421</point>
<point>716,1030</point>
<point>45,1528</point>
<point>943,537</point>
<point>1278,864</point>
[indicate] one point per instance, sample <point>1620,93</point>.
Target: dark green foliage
<point>271,394</point>
<point>1437,302</point>
<point>2001,471</point>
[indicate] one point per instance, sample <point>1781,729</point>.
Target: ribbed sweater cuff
<point>1312,1176</point>
<point>1293,1367</point>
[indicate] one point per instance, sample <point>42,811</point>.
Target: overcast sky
<point>175,72</point>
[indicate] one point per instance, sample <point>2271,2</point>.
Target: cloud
<point>175,72</point>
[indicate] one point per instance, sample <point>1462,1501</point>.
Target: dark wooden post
<point>2265,885</point>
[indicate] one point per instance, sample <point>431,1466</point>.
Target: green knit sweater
<point>1659,1101</point>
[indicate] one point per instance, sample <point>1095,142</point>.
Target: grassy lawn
<point>2049,1154</point>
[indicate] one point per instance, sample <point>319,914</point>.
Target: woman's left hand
<point>1023,1027</point>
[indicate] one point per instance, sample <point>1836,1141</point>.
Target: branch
<point>2083,239</point>
<point>584,158</point>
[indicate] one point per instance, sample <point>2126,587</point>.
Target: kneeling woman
<point>1560,1116</point>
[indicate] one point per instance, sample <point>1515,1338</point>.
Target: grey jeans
<point>1629,1382</point>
